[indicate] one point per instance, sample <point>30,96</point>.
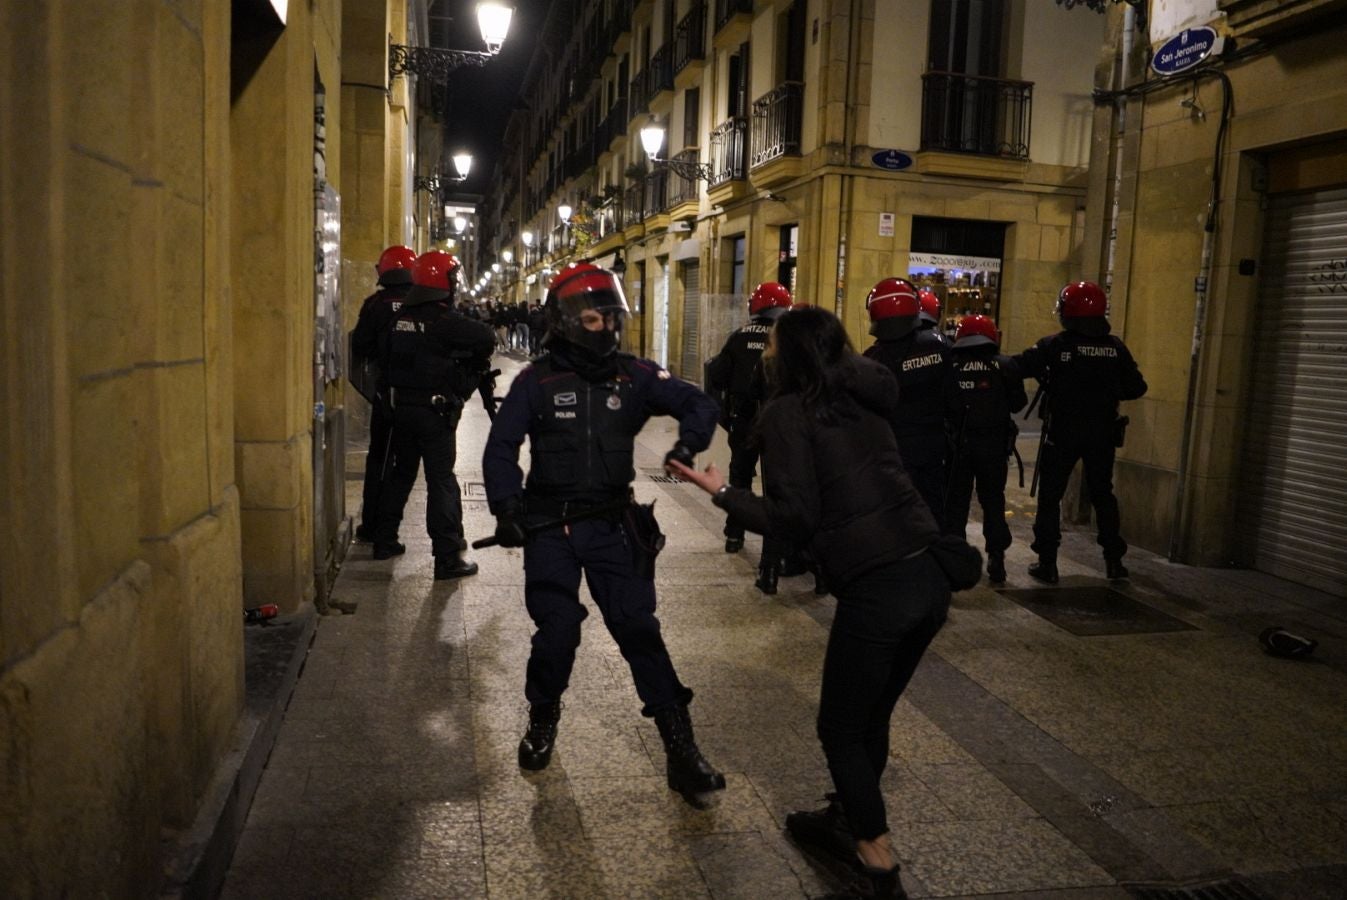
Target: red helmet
<point>976,330</point>
<point>395,265</point>
<point>768,296</point>
<point>434,276</point>
<point>582,288</point>
<point>930,305</point>
<point>1082,300</point>
<point>893,307</point>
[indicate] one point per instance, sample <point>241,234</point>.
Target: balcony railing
<point>690,38</point>
<point>684,190</point>
<point>729,151</point>
<point>728,9</point>
<point>633,205</point>
<point>636,94</point>
<point>659,73</point>
<point>975,114</point>
<point>777,116</point>
<point>656,192</point>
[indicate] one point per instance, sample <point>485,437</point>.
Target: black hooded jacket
<point>838,486</point>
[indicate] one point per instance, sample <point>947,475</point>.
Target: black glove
<point>680,453</point>
<point>510,532</point>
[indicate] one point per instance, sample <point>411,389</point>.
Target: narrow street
<point>1065,743</point>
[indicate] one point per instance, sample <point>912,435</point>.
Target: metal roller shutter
<point>690,369</point>
<point>1295,450</point>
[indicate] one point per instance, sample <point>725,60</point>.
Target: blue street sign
<point>891,159</point>
<point>1185,50</point>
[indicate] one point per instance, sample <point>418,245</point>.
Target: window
<point>787,256</point>
<point>966,37</point>
<point>737,81</point>
<point>736,254</point>
<point>692,101</point>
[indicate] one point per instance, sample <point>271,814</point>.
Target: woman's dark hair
<point>810,345</point>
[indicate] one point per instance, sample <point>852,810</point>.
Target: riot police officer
<point>434,360</point>
<point>394,270</point>
<point>581,405</point>
<point>920,361</point>
<point>986,390</point>
<point>929,317</point>
<point>733,377</point>
<point>1084,372</point>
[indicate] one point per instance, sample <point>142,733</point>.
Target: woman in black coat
<point>834,479</point>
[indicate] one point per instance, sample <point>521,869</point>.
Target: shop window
<point>960,261</point>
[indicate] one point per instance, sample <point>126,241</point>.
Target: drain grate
<point>1094,611</point>
<point>1208,889</point>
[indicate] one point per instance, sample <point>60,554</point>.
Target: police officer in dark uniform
<point>1085,372</point>
<point>920,361</point>
<point>730,378</point>
<point>929,317</point>
<point>986,390</point>
<point>434,360</point>
<point>394,271</point>
<point>581,405</point>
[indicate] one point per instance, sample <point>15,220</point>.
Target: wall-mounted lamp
<point>507,255</point>
<point>527,238</point>
<point>460,224</point>
<point>652,139</point>
<point>564,211</point>
<point>435,63</point>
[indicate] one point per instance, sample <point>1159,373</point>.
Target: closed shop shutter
<point>692,305</point>
<point>1294,499</point>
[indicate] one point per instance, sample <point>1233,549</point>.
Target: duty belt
<point>412,397</point>
<point>556,507</point>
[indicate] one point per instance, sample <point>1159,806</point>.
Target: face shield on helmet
<point>586,308</point>
<point>893,307</point>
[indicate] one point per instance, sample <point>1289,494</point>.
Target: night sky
<point>480,99</point>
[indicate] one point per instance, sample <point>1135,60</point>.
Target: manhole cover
<point>1210,889</point>
<point>1092,611</point>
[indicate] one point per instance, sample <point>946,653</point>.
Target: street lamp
<point>564,211</point>
<point>435,63</point>
<point>527,238</point>
<point>462,164</point>
<point>507,255</point>
<point>652,139</point>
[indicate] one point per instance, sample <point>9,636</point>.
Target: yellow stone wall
<point>1293,96</point>
<point>120,644</point>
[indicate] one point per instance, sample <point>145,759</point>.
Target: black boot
<point>1114,568</point>
<point>872,882</point>
<point>820,583</point>
<point>388,551</point>
<point>364,534</point>
<point>734,544</point>
<point>535,750</point>
<point>453,565</point>
<point>825,831</point>
<point>996,568</point>
<point>767,576</point>
<point>688,771</point>
<point>1045,570</point>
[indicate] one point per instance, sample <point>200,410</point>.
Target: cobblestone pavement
<point>1065,743</point>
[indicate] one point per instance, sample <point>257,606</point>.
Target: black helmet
<point>585,307</point>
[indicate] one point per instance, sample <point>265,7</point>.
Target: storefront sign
<point>1185,50</point>
<point>953,261</point>
<point>891,159</point>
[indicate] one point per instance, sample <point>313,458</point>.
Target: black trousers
<point>377,463</point>
<point>553,564</point>
<point>743,466</point>
<point>1060,453</point>
<point>884,622</point>
<point>981,461</point>
<point>924,458</point>
<point>421,433</point>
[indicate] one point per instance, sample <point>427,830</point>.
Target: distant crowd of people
<point>518,326</point>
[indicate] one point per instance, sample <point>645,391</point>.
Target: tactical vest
<point>582,435</point>
<point>920,362</point>
<point>982,389</point>
<point>1084,381</point>
<point>413,365</point>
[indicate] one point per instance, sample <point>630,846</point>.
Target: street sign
<point>1185,50</point>
<point>891,159</point>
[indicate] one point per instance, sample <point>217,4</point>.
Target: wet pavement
<point>1071,742</point>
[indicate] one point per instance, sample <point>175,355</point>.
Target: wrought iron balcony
<point>659,73</point>
<point>633,205</point>
<point>656,192</point>
<point>690,38</point>
<point>777,119</point>
<point>728,9</point>
<point>729,151</point>
<point>683,189</point>
<point>975,114</point>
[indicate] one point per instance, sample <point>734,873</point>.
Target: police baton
<point>532,531</point>
<point>486,389</point>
